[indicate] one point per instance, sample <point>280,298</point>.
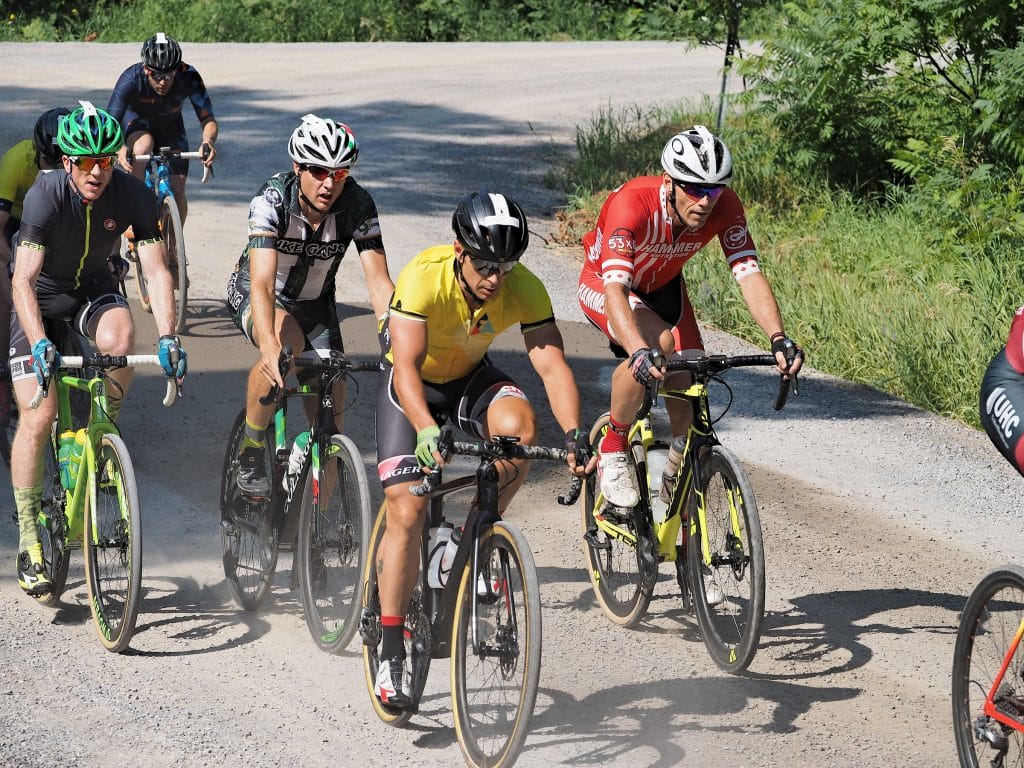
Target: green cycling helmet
<point>89,131</point>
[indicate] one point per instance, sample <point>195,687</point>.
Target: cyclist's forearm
<point>563,398</point>
<point>23,293</point>
<point>412,398</point>
<point>760,300</point>
<point>210,131</point>
<point>621,318</point>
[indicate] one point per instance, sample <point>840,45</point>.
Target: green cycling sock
<point>29,502</point>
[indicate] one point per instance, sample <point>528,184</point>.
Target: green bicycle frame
<point>99,424</point>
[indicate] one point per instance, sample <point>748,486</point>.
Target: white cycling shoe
<point>617,480</point>
<point>713,592</point>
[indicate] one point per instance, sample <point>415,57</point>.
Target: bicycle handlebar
<point>709,365</point>
<point>172,154</point>
<point>497,448</point>
<point>312,358</point>
<point>104,362</point>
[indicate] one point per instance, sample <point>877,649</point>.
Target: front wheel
<point>334,526</point>
<point>612,558</point>
<point>113,544</point>
<point>417,633</point>
<point>726,566</point>
<point>495,662</point>
<point>988,637</point>
<point>248,535</point>
<point>174,246</point>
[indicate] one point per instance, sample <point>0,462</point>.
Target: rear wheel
<point>51,528</point>
<point>989,625</point>
<point>495,682</point>
<point>333,533</point>
<point>249,537</point>
<point>174,246</point>
<point>113,544</point>
<point>417,633</point>
<point>612,561</point>
<point>727,580</point>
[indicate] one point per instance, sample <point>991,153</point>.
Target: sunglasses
<point>87,163</point>
<point>487,268</point>
<point>697,191</point>
<point>161,77</point>
<point>319,173</point>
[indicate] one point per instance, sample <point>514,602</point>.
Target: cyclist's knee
<point>514,417</point>
<point>405,511</point>
<point>115,333</point>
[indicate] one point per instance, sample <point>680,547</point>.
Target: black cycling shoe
<point>252,475</point>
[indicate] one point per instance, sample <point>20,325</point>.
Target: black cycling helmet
<point>491,226</point>
<point>161,53</point>
<point>44,137</point>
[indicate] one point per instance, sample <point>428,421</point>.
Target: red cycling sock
<point>614,440</point>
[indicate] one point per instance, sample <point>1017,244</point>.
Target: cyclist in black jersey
<point>147,101</point>
<point>72,217</point>
<point>282,292</point>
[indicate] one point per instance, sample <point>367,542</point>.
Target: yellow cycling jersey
<point>458,337</point>
<point>18,170</point>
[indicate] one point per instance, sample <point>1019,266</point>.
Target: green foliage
<point>362,20</point>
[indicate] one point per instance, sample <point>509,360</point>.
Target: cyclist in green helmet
<point>71,221</point>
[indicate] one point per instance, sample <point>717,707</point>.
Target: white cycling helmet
<point>697,156</point>
<point>324,142</point>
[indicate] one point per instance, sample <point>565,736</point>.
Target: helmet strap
<point>465,286</point>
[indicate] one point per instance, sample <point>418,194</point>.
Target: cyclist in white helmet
<point>282,291</point>
<point>632,285</point>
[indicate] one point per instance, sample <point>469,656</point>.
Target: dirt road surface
<point>878,518</point>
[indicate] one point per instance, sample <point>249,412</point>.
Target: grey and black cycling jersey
<point>308,257</point>
<point>78,236</point>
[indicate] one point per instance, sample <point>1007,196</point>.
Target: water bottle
<point>295,459</point>
<point>439,539</point>
<point>448,556</point>
<point>657,458</point>
<point>67,476</point>
<point>671,470</point>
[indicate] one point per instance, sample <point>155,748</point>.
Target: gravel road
<point>878,517</point>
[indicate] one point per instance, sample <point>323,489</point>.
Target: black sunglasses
<point>487,268</point>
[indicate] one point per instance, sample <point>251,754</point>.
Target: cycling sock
<point>392,637</point>
<point>28,502</point>
<point>255,437</point>
<point>614,440</point>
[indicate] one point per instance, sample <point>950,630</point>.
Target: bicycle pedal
<point>591,538</point>
<point>615,515</point>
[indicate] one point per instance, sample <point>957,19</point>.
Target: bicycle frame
<point>990,708</point>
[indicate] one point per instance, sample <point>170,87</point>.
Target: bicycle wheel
<point>733,568</point>
<point>989,625</point>
<point>417,633</point>
<point>612,561</point>
<point>113,544</point>
<point>249,538</point>
<point>8,424</point>
<point>51,527</point>
<point>334,526</point>
<point>494,684</point>
<point>174,246</point>
<point>140,282</point>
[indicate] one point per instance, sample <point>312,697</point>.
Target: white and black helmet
<point>324,142</point>
<point>697,156</point>
<point>491,226</point>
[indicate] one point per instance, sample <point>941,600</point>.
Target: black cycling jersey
<point>76,236</point>
<point>307,258</point>
<point>1001,408</point>
<point>133,97</point>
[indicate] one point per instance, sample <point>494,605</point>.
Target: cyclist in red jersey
<point>632,286</point>
<point>1002,396</point>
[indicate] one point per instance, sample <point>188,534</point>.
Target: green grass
<point>875,294</point>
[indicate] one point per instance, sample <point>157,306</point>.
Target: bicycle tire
<point>417,633</point>
<point>493,694</point>
<point>174,249</point>
<point>140,283</point>
<point>249,537</point>
<point>51,527</point>
<point>989,621</point>
<point>8,424</point>
<point>332,546</point>
<point>613,564</point>
<point>731,629</point>
<point>113,544</point>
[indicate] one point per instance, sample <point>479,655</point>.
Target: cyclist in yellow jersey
<point>19,167</point>
<point>450,303</point>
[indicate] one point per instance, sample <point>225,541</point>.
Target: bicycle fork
<point>1002,706</point>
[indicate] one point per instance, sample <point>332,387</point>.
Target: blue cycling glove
<point>43,371</point>
<point>168,345</point>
